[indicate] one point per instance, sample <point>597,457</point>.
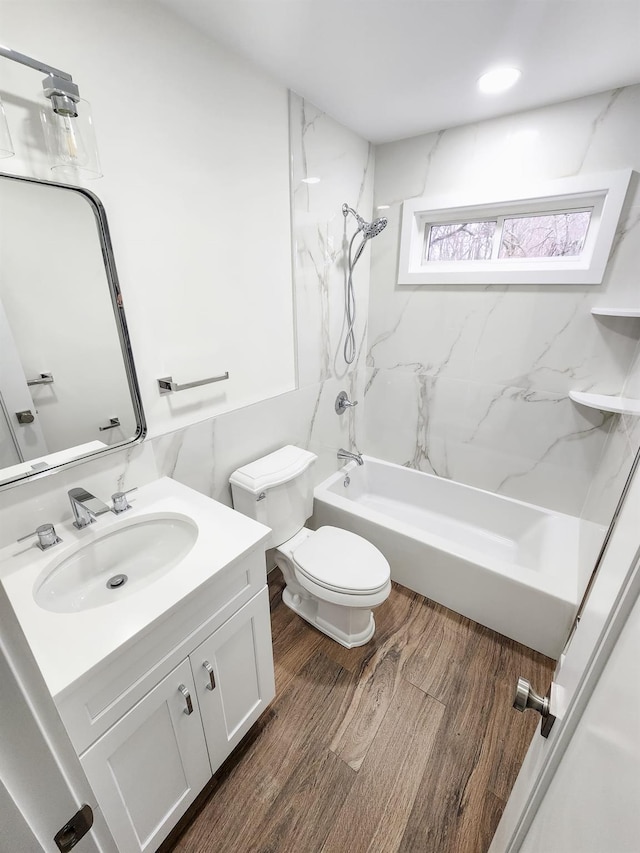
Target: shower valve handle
<point>343,403</point>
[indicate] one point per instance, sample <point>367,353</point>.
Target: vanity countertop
<point>68,645</point>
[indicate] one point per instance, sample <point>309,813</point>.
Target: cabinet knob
<point>187,698</point>
<point>212,679</point>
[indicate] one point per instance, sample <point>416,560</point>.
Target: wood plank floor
<point>406,744</point>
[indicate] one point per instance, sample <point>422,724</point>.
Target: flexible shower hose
<point>350,301</point>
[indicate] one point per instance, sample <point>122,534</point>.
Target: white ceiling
<point>395,68</point>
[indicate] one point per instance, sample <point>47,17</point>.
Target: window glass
<point>460,241</point>
<point>546,236</point>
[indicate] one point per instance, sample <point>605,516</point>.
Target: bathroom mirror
<point>68,388</point>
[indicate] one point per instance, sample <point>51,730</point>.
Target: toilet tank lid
<point>273,470</point>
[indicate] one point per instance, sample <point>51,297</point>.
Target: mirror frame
<point>115,293</point>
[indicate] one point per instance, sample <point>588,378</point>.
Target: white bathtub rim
<point>561,587</point>
<point>350,466</point>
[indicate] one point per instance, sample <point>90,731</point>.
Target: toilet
<point>333,577</point>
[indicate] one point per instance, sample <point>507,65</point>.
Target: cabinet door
<point>233,672</point>
<point>149,767</point>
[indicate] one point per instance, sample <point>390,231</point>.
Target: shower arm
<point>346,210</point>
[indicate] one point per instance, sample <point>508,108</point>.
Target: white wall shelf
<point>607,402</point>
<point>606,311</point>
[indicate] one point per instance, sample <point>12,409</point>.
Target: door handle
<point>187,698</point>
<point>526,699</point>
<point>212,679</point>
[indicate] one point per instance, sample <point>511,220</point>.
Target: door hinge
<point>74,829</point>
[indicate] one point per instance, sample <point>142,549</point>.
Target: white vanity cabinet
<point>233,674</point>
<point>148,768</point>
<point>156,686</point>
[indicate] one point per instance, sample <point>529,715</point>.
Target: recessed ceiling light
<point>498,80</point>
<point>311,180</point>
<point>383,206</point>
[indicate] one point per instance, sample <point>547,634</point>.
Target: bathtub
<point>508,565</point>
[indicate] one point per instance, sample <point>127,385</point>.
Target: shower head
<point>369,229</point>
<point>372,229</point>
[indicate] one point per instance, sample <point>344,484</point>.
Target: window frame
<point>603,194</point>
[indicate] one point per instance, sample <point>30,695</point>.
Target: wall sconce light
<point>66,120</point>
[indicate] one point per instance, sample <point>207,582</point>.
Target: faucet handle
<point>343,403</point>
<point>120,502</point>
<point>47,536</point>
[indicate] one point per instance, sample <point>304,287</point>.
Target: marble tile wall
<point>472,382</point>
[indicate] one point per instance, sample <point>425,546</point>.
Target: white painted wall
<point>204,455</point>
<point>194,149</point>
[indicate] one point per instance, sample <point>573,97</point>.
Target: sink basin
<point>122,560</point>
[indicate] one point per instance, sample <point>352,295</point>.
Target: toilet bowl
<point>333,577</point>
<point>333,580</point>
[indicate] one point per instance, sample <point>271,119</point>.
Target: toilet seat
<point>342,562</point>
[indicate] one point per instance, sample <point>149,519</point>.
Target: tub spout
<point>347,454</point>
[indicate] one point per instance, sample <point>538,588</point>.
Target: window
<point>551,235</point>
<point>559,233</point>
<point>536,236</point>
<point>460,241</point>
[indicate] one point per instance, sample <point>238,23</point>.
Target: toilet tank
<point>276,490</point>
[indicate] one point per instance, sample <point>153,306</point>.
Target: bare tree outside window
<point>550,235</point>
<point>461,241</point>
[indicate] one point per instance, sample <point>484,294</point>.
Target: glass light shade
<point>71,142</point>
<point>6,145</point>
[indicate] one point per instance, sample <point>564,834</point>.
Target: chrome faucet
<point>86,507</point>
<point>347,454</point>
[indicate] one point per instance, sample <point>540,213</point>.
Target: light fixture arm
<point>23,59</point>
<point>58,85</point>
